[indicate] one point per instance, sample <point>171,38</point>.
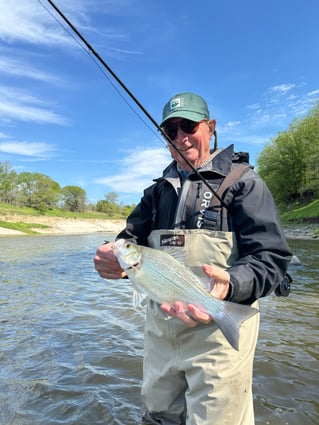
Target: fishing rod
<point>137,102</point>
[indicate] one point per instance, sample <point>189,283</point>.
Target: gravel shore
<point>309,231</point>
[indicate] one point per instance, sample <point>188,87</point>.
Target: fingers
<point>199,314</point>
<point>216,273</point>
<point>179,311</point>
<point>111,275</point>
<point>192,314</point>
<point>220,279</point>
<point>106,263</point>
<point>188,314</point>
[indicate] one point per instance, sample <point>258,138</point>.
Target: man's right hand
<point>106,263</point>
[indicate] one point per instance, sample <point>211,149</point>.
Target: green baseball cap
<point>186,105</point>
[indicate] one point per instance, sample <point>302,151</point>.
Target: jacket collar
<point>221,164</point>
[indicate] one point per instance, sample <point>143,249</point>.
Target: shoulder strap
<point>235,174</point>
<point>212,215</point>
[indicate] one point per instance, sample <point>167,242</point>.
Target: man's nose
<point>181,136</point>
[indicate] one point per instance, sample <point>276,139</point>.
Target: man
<point>192,375</point>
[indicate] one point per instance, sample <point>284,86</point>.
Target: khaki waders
<point>193,376</point>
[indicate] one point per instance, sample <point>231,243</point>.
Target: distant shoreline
<point>306,231</point>
<point>61,225</point>
<point>73,226</point>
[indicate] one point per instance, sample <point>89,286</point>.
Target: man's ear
<point>212,126</point>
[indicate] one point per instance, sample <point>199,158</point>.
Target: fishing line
<point>131,95</point>
<point>101,70</point>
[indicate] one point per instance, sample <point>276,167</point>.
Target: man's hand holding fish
<point>107,264</point>
<point>192,314</point>
<point>109,268</point>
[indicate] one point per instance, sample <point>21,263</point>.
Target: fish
<point>163,278</point>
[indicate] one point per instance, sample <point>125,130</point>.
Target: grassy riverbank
<point>300,222</point>
<point>305,214</point>
<point>15,221</point>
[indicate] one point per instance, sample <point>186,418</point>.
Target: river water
<point>71,344</point>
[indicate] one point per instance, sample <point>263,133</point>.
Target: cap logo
<point>178,102</point>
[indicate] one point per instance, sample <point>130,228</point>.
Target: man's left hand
<point>191,314</point>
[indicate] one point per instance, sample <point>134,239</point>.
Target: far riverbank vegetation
<point>289,164</point>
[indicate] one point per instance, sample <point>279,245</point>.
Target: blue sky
<point>255,62</point>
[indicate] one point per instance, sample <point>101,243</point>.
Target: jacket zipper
<point>179,224</point>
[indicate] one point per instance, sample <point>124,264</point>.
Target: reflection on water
<point>71,345</point>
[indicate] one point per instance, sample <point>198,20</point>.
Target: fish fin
<point>229,319</point>
<point>139,298</point>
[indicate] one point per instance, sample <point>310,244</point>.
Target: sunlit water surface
<point>71,344</point>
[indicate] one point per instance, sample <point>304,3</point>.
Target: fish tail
<point>229,319</point>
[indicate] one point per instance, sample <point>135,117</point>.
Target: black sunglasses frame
<point>187,126</point>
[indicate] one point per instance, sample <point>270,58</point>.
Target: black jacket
<point>264,255</point>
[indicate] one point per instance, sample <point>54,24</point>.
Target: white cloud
<point>282,88</point>
<point>25,25</point>
<point>314,93</point>
<point>254,106</point>
<point>18,68</point>
<point>230,126</point>
<point>281,105</point>
<point>35,22</point>
<point>30,149</point>
<point>253,139</point>
<point>30,23</point>
<point>20,106</point>
<point>137,170</point>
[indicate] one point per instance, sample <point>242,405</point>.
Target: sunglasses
<point>188,126</point>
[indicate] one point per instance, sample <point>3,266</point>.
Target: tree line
<point>39,191</point>
<point>289,165</point>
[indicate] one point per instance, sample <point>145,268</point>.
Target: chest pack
<point>196,208</point>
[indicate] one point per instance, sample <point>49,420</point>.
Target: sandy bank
<point>59,225</point>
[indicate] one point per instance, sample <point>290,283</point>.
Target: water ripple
<point>71,344</point>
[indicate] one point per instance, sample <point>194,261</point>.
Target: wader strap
<point>212,212</point>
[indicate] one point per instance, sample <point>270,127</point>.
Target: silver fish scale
<point>164,278</point>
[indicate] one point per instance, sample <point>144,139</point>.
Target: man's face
<point>193,140</point>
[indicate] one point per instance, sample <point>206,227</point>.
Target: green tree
<point>107,207</point>
<point>74,198</point>
<point>38,191</point>
<point>112,197</point>
<point>110,205</point>
<point>8,183</point>
<point>289,163</point>
<point>127,209</point>
<point>307,131</point>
